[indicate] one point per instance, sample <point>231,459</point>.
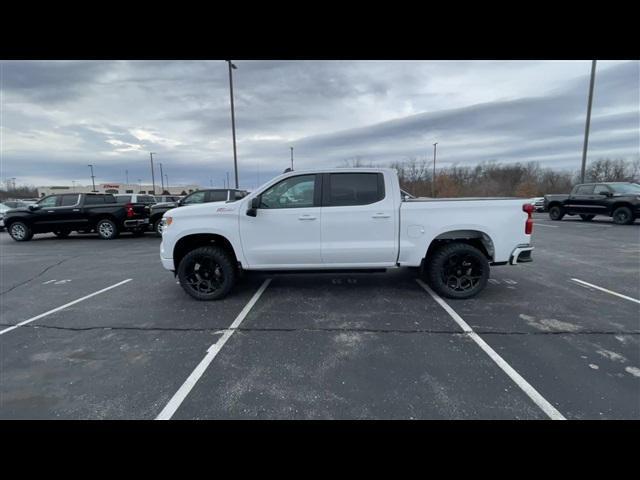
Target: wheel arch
<point>476,238</point>
<point>190,242</point>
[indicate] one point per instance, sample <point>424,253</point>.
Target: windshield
<point>625,187</point>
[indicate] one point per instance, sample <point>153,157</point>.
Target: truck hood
<point>203,209</point>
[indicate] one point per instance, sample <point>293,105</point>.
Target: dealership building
<point>117,188</point>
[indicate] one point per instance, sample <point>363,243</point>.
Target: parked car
<point>345,219</point>
<point>62,214</point>
<point>619,200</point>
<point>200,196</point>
<point>538,203</point>
<point>3,209</point>
<point>167,198</point>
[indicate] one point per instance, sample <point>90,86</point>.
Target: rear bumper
<point>521,254</point>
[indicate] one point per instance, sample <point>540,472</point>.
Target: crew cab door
<point>581,200</point>
<point>358,220</point>
<point>285,233</point>
<point>44,218</point>
<point>69,213</point>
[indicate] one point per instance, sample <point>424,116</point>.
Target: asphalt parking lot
<point>94,329</point>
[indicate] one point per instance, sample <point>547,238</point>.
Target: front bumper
<point>167,263</point>
<point>521,254</point>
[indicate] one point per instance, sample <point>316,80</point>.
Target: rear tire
<point>556,212</point>
<point>20,232</point>
<point>62,233</point>
<point>457,270</point>
<point>207,273</point>
<point>107,229</point>
<point>587,218</point>
<point>623,216</point>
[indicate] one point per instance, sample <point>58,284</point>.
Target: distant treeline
<point>21,191</point>
<point>498,179</point>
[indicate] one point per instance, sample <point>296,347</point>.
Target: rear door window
<point>219,196</point>
<point>601,190</point>
<point>123,198</point>
<point>347,189</point>
<point>94,200</point>
<point>69,200</point>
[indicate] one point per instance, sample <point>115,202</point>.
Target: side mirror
<point>34,207</point>
<point>252,211</point>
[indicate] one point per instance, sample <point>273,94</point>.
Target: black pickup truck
<point>199,196</point>
<point>619,200</point>
<point>84,212</point>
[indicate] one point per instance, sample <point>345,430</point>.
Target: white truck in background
<point>344,219</point>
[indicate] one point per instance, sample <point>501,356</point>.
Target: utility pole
<point>233,120</point>
<point>588,122</point>
<point>153,178</point>
<point>291,158</point>
<point>93,182</point>
<point>73,182</point>
<point>433,179</point>
<point>161,179</point>
<point>167,179</point>
<point>126,176</point>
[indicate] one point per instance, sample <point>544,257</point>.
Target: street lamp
<point>433,180</point>
<point>291,158</point>
<point>161,179</point>
<point>153,178</point>
<point>586,127</point>
<point>166,177</point>
<point>233,120</point>
<point>93,182</point>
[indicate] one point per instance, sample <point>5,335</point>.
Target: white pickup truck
<point>344,219</point>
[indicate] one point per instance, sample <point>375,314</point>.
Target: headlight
<point>167,221</point>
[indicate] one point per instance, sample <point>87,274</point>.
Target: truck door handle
<point>306,217</point>
<point>50,211</point>
<point>380,215</point>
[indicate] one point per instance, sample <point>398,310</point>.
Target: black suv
<point>619,200</point>
<point>200,196</point>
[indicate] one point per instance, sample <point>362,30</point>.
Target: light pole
<point>233,120</point>
<point>126,176</point>
<point>93,182</point>
<point>161,179</point>
<point>291,158</point>
<point>73,182</point>
<point>433,179</point>
<point>167,179</point>
<point>153,178</point>
<point>588,122</point>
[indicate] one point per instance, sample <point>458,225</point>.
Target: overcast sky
<point>57,117</point>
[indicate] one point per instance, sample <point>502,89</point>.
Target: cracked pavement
<point>320,346</point>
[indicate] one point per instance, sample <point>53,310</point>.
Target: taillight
<point>528,225</point>
<point>129,208</point>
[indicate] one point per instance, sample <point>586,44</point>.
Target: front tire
<point>622,216</point>
<point>20,232</point>
<point>587,218</point>
<point>556,213</point>
<point>458,270</point>
<point>107,229</point>
<point>207,273</point>
<point>157,227</point>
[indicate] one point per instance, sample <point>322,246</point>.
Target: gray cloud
<point>59,116</point>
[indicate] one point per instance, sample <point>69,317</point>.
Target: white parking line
<point>38,317</point>
<point>177,399</point>
<point>525,386</point>
<point>605,290</point>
